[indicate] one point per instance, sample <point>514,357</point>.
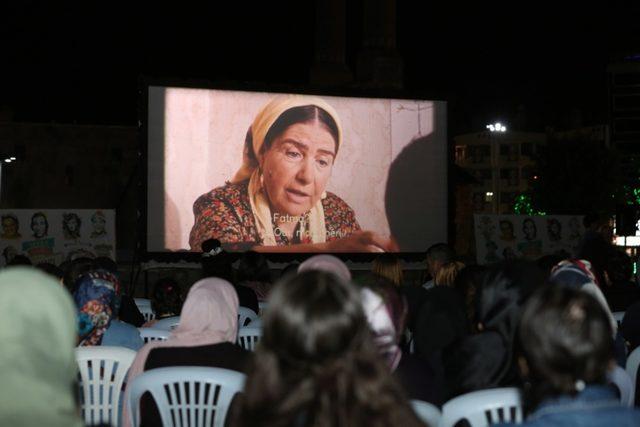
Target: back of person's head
<point>19,260</point>
<point>504,290</point>
<point>328,264</point>
<point>97,298</point>
<point>619,267</point>
<point>106,263</point>
<point>215,261</point>
<point>447,274</point>
<point>37,360</point>
<point>388,266</point>
<point>440,252</point>
<point>253,267</point>
<point>566,341</point>
<point>167,297</point>
<point>290,270</point>
<point>467,282</point>
<point>74,269</point>
<point>51,270</point>
<point>316,364</point>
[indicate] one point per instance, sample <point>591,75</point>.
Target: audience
<point>328,264</point>
<point>98,301</point>
<point>437,255</point>
<point>446,275</point>
<point>467,284</point>
<point>206,336</point>
<point>166,300</point>
<point>619,290</point>
<point>37,354</point>
<point>566,342</point>
<point>317,364</point>
<point>388,266</point>
<point>487,359</point>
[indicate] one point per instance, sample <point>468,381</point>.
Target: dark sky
<point>80,61</point>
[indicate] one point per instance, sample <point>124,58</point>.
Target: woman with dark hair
<point>566,342</point>
<point>317,363</point>
<point>278,201</point>
<point>253,279</point>
<point>486,359</point>
<point>39,225</point>
<point>166,300</point>
<point>71,223</point>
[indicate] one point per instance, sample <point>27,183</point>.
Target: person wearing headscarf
<point>278,198</point>
<point>386,312</point>
<point>97,299</point>
<point>37,359</point>
<point>579,274</point>
<point>328,264</point>
<point>206,336</point>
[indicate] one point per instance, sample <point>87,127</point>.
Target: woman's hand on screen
<point>363,241</point>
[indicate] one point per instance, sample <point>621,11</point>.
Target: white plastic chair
<point>618,316</point>
<point>622,380</point>
<point>249,336</point>
<point>255,323</point>
<point>209,392</point>
<point>427,412</point>
<point>633,363</point>
<point>483,408</point>
<point>245,315</point>
<point>168,323</point>
<point>154,334</point>
<point>144,305</point>
<point>102,370</point>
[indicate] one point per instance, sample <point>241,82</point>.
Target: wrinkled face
<point>9,226</point>
<point>297,167</point>
<point>39,226</point>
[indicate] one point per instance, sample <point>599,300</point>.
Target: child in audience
<point>566,342</point>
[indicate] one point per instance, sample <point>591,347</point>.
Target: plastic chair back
<point>249,336</point>
<point>186,396</point>
<point>483,408</point>
<point>144,305</point>
<point>427,412</point>
<point>622,381</point>
<point>262,306</point>
<point>633,363</point>
<point>154,334</point>
<point>102,371</point>
<point>168,323</point>
<point>245,315</point>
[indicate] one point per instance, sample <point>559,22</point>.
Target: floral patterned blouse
<point>225,214</point>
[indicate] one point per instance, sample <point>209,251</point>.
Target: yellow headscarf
<point>257,197</point>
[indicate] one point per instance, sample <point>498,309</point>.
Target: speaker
<point>626,220</point>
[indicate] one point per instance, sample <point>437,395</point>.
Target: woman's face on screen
<point>297,167</point>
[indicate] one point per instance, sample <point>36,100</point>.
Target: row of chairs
<point>103,370</point>
<point>248,336</point>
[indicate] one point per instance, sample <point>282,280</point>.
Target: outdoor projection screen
<point>251,165</point>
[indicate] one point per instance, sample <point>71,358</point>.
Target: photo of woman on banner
<point>71,226</point>
<point>531,247</point>
<point>10,227</point>
<point>39,225</point>
<point>277,201</point>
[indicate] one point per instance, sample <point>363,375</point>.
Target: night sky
<point>80,61</point>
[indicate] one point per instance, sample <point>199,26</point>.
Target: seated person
<point>37,361</point>
<point>206,336</point>
<point>166,300</point>
<point>97,299</point>
<point>317,364</point>
<point>566,342</point>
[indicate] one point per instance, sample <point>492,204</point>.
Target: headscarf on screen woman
<point>250,169</point>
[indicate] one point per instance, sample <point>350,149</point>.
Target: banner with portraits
<point>56,235</point>
<point>500,237</point>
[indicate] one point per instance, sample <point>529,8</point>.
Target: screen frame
<point>145,82</point>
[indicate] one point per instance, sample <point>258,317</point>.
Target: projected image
<point>284,173</point>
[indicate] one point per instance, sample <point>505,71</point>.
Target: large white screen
<point>390,168</point>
